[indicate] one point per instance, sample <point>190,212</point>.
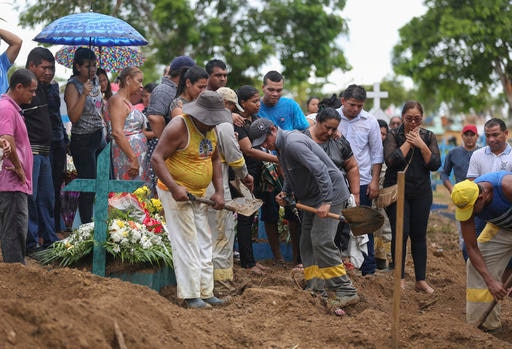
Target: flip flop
<point>426,289</point>
<point>262,267</point>
<point>339,312</point>
<point>298,267</point>
<point>348,265</point>
<point>256,270</point>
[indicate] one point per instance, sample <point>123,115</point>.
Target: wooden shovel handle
<point>480,322</point>
<point>313,210</point>
<point>210,202</point>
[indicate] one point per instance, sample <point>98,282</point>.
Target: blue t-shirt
<point>286,114</point>
<point>458,161</point>
<point>5,64</point>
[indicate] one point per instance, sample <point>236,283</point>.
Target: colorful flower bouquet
<point>136,234</point>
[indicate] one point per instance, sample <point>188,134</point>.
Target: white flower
<point>136,235</point>
<point>146,242</point>
<point>116,235</point>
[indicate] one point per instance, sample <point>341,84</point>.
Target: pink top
<point>12,124</point>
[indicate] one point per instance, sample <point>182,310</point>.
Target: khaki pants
<point>222,226</point>
<point>495,245</point>
<point>382,238</point>
<point>191,243</point>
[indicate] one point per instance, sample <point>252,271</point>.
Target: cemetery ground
<point>51,307</point>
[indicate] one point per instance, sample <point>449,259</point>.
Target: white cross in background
<point>376,94</point>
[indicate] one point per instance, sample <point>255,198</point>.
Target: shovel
<point>489,310</point>
<point>362,219</point>
<point>243,206</point>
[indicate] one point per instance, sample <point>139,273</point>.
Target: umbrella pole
<point>90,48</point>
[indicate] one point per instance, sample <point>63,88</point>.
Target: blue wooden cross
<point>102,186</point>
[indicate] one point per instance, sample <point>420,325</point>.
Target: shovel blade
<point>362,219</point>
<point>245,206</point>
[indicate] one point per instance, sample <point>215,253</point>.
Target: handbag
<point>389,195</point>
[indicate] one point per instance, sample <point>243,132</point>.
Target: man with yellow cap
<point>488,197</point>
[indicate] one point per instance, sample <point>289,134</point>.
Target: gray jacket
<point>309,172</point>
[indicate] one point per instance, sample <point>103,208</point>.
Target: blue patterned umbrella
<point>91,28</point>
<point>110,58</point>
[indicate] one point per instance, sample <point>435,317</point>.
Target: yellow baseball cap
<point>464,196</point>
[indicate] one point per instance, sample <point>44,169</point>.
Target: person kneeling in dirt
<point>489,197</point>
<point>315,181</point>
<point>186,160</point>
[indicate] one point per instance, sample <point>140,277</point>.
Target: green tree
<point>458,52</point>
<point>300,34</point>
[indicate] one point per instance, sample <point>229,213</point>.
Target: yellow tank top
<point>191,166</point>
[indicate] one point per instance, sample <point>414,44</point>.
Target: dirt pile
<point>41,307</point>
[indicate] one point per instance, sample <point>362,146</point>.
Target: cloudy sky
<point>373,28</point>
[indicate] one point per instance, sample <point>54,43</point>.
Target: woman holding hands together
<point>414,148</point>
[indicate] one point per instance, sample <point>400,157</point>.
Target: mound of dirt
<point>44,307</point>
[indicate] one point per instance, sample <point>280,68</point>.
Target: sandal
<point>261,267</point>
<point>281,263</point>
<point>298,267</point>
<point>348,265</point>
<point>256,270</point>
<point>425,288</point>
<point>339,312</point>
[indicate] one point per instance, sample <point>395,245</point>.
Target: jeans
<point>369,265</point>
<point>13,225</point>
<point>58,161</point>
<point>41,203</point>
<point>85,150</point>
<point>416,213</point>
<point>244,231</point>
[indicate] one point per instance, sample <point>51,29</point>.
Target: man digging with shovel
<point>315,181</point>
<point>489,197</point>
<point>186,160</point>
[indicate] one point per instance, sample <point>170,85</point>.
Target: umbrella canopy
<point>112,58</point>
<point>91,28</point>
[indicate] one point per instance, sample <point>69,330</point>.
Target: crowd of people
<point>191,136</point>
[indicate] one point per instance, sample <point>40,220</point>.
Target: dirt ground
<point>44,307</point>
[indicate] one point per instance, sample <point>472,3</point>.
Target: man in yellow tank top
<point>186,160</point>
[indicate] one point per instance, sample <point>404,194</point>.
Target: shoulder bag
<point>389,195</point>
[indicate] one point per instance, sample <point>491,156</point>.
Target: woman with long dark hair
<point>84,103</point>
<point>193,81</point>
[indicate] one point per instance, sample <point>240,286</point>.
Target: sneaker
<point>196,303</point>
<point>213,301</point>
<point>496,330</point>
<point>343,301</point>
